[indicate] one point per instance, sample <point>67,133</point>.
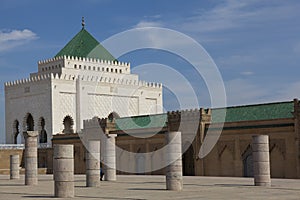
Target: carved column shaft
<point>174,161</point>
<point>63,170</point>
<point>110,157</point>
<point>14,167</point>
<point>31,165</point>
<point>261,160</point>
<point>93,164</point>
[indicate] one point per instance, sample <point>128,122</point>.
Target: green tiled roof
<point>83,44</point>
<point>268,111</point>
<point>144,121</point>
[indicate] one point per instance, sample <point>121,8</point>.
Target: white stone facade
<point>79,89</point>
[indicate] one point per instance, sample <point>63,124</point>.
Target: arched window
<point>112,116</point>
<point>16,132</point>
<point>43,132</point>
<point>68,125</point>
<point>29,123</point>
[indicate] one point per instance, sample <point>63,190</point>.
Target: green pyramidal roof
<point>84,45</point>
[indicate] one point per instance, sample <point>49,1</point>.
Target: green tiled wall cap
<point>267,111</point>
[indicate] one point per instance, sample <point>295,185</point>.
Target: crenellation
<point>191,114</point>
<point>91,123</point>
<point>83,64</point>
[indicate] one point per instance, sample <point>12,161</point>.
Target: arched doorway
<point>248,162</point>
<point>226,162</point>
<point>188,165</point>
<point>140,162</point>
<point>43,132</point>
<point>277,161</point>
<point>16,132</point>
<point>68,125</point>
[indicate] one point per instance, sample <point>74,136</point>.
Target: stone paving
<point>153,187</point>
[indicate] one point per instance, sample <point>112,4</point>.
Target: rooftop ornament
<point>82,22</point>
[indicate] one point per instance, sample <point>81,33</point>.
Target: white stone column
<point>261,160</point>
<point>93,164</point>
<point>31,165</point>
<point>14,167</point>
<point>110,157</point>
<point>174,161</point>
<point>63,170</point>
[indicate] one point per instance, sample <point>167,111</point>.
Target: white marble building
<point>82,81</point>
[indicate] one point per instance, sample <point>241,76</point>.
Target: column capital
<point>30,134</point>
<point>112,135</point>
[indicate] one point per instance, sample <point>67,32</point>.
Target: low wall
<point>44,160</point>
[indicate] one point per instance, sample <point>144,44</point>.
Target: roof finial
<point>82,22</point>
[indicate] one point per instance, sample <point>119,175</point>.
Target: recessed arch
<point>188,163</point>
<point>42,130</point>
<point>247,158</point>
<point>277,161</point>
<point>68,125</point>
<point>113,115</point>
<point>16,132</point>
<point>139,162</point>
<point>28,122</point>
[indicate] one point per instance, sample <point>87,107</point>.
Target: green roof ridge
<point>84,45</point>
<point>142,121</point>
<point>265,111</point>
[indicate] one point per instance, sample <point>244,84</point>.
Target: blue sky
<point>255,43</point>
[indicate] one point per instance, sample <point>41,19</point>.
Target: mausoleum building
<point>81,81</point>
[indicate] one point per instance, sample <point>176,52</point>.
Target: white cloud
<point>241,91</point>
<point>289,91</point>
<point>235,60</point>
<point>247,73</point>
<point>158,16</point>
<point>14,38</point>
<point>233,14</point>
<point>143,24</point>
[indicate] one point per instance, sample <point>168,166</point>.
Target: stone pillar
<point>173,158</point>
<point>110,157</point>
<point>261,160</point>
<point>93,164</point>
<point>14,167</point>
<point>63,170</point>
<point>31,165</point>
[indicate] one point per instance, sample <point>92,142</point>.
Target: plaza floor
<point>153,187</point>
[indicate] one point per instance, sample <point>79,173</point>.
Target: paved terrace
<point>153,187</point>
